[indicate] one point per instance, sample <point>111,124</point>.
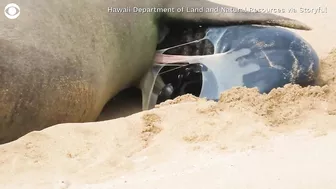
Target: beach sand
<point>283,139</point>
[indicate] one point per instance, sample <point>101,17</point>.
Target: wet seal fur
<point>62,60</point>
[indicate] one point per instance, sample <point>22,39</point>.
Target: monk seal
<point>62,60</point>
<point>206,61</point>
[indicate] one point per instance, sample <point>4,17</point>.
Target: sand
<point>284,139</point>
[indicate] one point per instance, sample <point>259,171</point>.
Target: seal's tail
<point>221,15</point>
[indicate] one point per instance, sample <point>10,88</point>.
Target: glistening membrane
<point>226,57</point>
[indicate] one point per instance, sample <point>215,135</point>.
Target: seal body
<point>62,60</point>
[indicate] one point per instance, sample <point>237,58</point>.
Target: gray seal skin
<point>62,60</point>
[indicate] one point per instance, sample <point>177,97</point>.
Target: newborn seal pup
<point>205,62</point>
<point>62,60</point>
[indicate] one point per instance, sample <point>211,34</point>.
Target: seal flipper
<point>231,17</point>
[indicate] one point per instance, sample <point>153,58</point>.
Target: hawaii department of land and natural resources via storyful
<point>300,10</point>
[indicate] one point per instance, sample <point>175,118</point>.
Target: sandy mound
<point>187,127</point>
<point>283,139</point>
